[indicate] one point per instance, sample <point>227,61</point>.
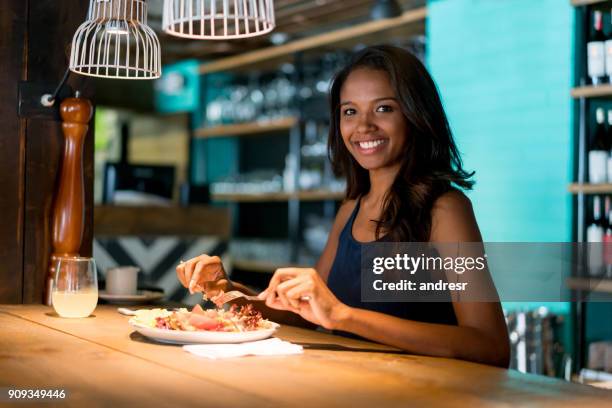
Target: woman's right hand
<point>205,274</point>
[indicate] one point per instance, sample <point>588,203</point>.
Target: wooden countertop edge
<point>495,380</point>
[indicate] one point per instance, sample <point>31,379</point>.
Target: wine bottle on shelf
<point>595,230</point>
<point>599,152</point>
<point>596,51</point>
<point>595,235</point>
<point>607,238</point>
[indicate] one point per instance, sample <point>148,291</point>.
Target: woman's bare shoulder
<point>453,219</point>
<point>452,201</point>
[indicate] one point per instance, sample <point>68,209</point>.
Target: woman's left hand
<point>302,291</point>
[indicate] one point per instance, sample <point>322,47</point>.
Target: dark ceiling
<point>295,18</point>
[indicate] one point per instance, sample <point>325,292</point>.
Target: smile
<point>370,146</point>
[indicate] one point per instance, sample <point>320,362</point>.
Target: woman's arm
<point>479,344</point>
<point>481,334</point>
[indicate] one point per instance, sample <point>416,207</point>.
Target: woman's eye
<point>384,108</point>
<point>349,112</point>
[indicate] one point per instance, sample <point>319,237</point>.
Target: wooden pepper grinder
<point>69,210</point>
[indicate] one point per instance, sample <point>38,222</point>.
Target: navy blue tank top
<point>344,281</point>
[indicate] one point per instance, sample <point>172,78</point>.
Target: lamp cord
<point>49,99</point>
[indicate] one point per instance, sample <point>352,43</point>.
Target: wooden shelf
<point>577,188</point>
<point>263,266</point>
<point>353,33</point>
<point>591,91</point>
<point>577,3</point>
<point>590,284</point>
<point>244,129</point>
<point>194,220</point>
<point>315,195</point>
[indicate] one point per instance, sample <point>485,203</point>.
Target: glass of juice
<point>75,287</point>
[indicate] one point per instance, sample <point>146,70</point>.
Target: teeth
<point>371,144</point>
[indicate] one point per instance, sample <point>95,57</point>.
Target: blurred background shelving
<point>244,129</point>
<point>592,189</point>
<point>312,195</point>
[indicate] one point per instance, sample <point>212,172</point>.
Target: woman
<point>390,137</point>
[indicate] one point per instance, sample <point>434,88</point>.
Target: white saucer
<point>142,296</point>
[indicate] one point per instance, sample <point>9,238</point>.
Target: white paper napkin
<point>269,347</point>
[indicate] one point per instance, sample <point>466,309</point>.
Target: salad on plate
<point>236,319</point>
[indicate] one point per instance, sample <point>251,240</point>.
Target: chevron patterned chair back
<point>157,239</point>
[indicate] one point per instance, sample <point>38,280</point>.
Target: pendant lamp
<point>116,42</point>
<point>218,19</point>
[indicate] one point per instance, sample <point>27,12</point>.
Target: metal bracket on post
<point>30,101</point>
<point>38,100</point>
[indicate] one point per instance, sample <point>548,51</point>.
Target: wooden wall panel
<point>50,28</point>
<point>34,44</point>
<point>13,17</point>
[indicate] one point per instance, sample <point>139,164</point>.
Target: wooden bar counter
<point>101,361</point>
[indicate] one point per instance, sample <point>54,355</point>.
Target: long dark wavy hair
<point>430,165</point>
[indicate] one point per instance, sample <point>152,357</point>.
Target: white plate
<point>202,336</point>
<point>142,296</point>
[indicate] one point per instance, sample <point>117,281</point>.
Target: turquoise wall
<point>503,68</point>
<point>504,71</point>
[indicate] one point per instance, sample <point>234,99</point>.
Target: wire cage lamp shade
<point>218,19</point>
<point>116,42</point>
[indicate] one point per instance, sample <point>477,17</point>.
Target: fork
<point>225,297</point>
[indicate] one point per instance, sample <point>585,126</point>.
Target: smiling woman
<point>387,97</point>
<point>390,137</point>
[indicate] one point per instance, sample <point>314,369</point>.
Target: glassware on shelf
<point>315,140</point>
<point>214,112</point>
<point>289,173</point>
<point>255,96</point>
<point>310,179</point>
<point>265,250</point>
<point>316,233</point>
<point>227,107</point>
<point>75,287</point>
<point>255,182</point>
<point>262,97</point>
<point>270,252</point>
<point>336,185</point>
<point>241,109</point>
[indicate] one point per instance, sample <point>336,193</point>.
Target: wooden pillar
<point>35,36</point>
<point>12,151</point>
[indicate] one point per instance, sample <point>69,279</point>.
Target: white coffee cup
<point>122,280</point>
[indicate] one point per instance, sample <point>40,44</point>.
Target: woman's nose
<point>365,123</point>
